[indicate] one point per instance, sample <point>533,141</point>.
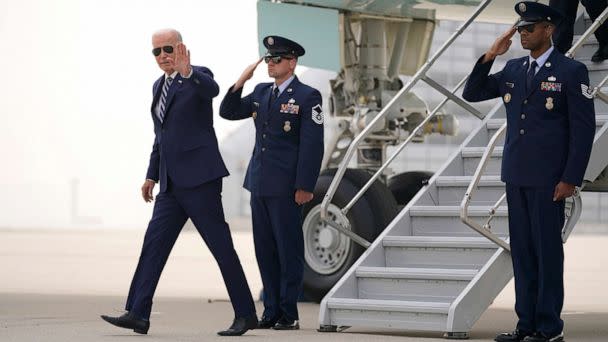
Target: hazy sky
<point>75,99</point>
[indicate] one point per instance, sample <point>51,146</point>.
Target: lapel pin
<point>179,81</point>
<point>548,64</point>
<point>289,90</point>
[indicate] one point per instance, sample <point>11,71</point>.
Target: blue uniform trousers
<point>279,249</point>
<point>535,225</point>
<point>203,205</point>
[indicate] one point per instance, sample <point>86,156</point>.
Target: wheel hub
<point>326,250</point>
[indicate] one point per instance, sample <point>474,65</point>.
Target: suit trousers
<point>203,205</point>
<point>279,249</point>
<point>564,32</point>
<point>535,225</point>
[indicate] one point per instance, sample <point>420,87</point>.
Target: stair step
<point>438,242</point>
<point>442,252</point>
<point>452,210</point>
<point>451,190</point>
<point>495,123</point>
<point>464,181</point>
<point>388,305</point>
<point>477,152</point>
<point>416,273</point>
<point>445,220</point>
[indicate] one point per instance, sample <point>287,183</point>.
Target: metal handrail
<point>420,74</point>
<point>468,196</point>
<point>575,210</point>
<point>596,23</point>
<point>398,150</point>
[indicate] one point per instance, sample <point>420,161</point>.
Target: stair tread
<point>438,242</point>
<point>416,273</point>
<point>459,181</point>
<point>495,123</point>
<point>454,210</point>
<point>476,152</point>
<point>388,305</point>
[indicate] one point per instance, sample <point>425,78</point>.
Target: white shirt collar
<point>540,61</point>
<point>284,85</point>
<point>173,75</point>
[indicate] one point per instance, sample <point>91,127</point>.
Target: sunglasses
<point>530,28</point>
<point>166,48</point>
<point>275,59</point>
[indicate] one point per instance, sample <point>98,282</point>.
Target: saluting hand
<point>181,62</point>
<point>303,196</point>
<point>246,75</point>
<point>563,190</point>
<point>146,190</point>
<point>501,45</point>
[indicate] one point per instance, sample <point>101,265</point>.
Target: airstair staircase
<point>428,271</point>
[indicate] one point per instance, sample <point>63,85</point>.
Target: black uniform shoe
<point>286,324</point>
<point>514,336</point>
<point>600,54</point>
<point>543,338</point>
<point>266,323</point>
<point>240,325</point>
<point>128,321</point>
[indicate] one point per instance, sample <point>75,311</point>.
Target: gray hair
<point>174,32</point>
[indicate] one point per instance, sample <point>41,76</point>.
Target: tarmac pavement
<point>55,284</point>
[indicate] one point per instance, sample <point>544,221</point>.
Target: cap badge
<point>270,41</point>
<point>522,7</point>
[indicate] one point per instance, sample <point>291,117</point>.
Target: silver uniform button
<point>264,136</point>
<point>525,101</point>
<point>523,116</point>
<point>263,149</point>
<point>521,131</point>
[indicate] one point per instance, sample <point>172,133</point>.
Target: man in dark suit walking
<point>282,173</point>
<point>185,159</point>
<point>550,130</point>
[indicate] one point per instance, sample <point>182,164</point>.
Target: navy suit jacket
<point>185,146</point>
<point>550,127</point>
<point>289,137</point>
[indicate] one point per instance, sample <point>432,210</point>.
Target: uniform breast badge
<point>507,98</point>
<point>287,126</point>
<point>549,104</point>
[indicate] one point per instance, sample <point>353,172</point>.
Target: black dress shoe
<point>286,324</point>
<point>240,325</point>
<point>266,323</point>
<point>515,336</point>
<point>543,338</point>
<point>601,54</point>
<point>128,321</point>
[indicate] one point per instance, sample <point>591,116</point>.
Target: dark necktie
<point>274,95</point>
<point>163,98</point>
<point>531,73</point>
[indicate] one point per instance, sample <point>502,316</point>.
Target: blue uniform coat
<point>550,127</point>
<point>289,137</point>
